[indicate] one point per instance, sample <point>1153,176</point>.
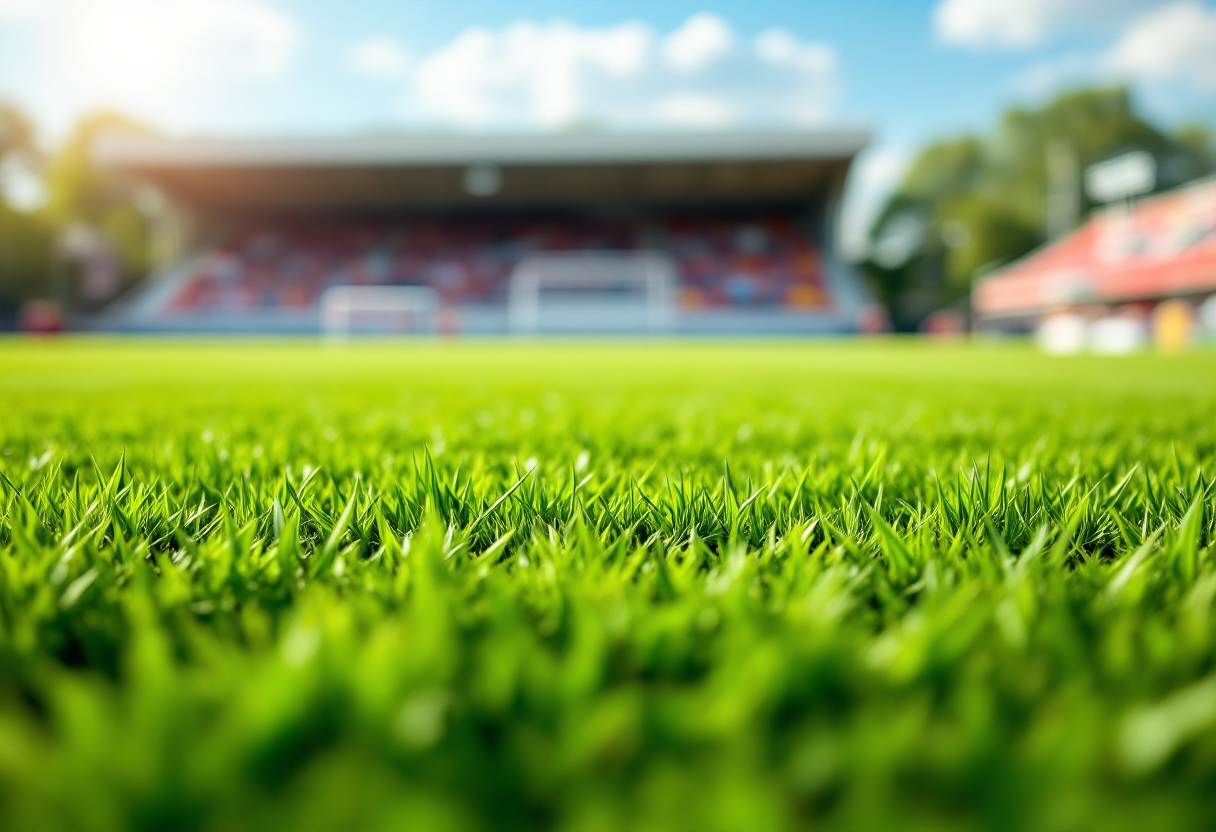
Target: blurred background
<point>453,167</point>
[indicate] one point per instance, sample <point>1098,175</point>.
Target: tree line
<point>972,203</point>
<point>73,192</point>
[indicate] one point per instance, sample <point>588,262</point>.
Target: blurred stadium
<point>571,233</point>
<point>614,560</point>
<point>1084,211</point>
<point>1131,269</point>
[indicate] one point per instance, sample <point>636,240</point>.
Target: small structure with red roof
<point>1159,247</point>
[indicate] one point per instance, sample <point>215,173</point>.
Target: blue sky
<point>910,70</point>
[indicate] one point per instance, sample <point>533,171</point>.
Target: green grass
<point>605,586</point>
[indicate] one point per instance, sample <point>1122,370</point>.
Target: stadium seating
<point>745,261</point>
<point>722,261</point>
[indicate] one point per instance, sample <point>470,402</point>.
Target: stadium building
<point>679,234</point>
<point>1124,261</point>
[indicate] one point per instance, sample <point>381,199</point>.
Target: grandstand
<point>695,233</point>
<point>1125,256</point>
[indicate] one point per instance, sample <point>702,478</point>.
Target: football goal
<point>592,291</point>
<point>378,310</point>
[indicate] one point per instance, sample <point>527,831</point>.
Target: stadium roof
<point>133,150</point>
<point>388,172</point>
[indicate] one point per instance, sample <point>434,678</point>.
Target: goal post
<point>378,310</point>
<point>627,291</point>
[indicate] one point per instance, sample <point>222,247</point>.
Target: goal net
<point>592,291</point>
<point>378,310</point>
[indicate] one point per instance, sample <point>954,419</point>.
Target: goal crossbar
<point>347,310</point>
<point>594,278</point>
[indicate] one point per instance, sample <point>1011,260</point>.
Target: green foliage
<point>77,192</point>
<point>463,586</point>
<point>980,201</point>
<point>25,240</point>
<point>25,256</point>
<point>77,189</point>
<point>944,169</point>
<point>1199,142</point>
<point>992,229</point>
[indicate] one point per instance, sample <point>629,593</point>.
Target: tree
<point>78,191</point>
<point>25,258</point>
<point>973,203</point>
<point>25,237</point>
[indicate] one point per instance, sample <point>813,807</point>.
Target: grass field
<point>605,586</point>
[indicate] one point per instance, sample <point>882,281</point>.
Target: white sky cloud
<point>22,8</point>
<point>1013,24</point>
<point>691,110</point>
<point>380,58</point>
<point>532,75</point>
<point>154,59</point>
<point>536,71</point>
<point>1174,43</point>
<point>699,42</point>
<point>779,48</point>
<point>1045,78</point>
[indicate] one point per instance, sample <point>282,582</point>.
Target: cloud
<point>1045,78</point>
<point>1175,42</point>
<point>25,8</point>
<point>873,178</point>
<point>380,58</point>
<point>532,75</point>
<point>692,110</point>
<point>699,42</point>
<point>154,59</point>
<point>1018,24</point>
<point>529,70</point>
<point>781,49</point>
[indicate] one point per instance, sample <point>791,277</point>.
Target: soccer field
<point>602,585</point>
